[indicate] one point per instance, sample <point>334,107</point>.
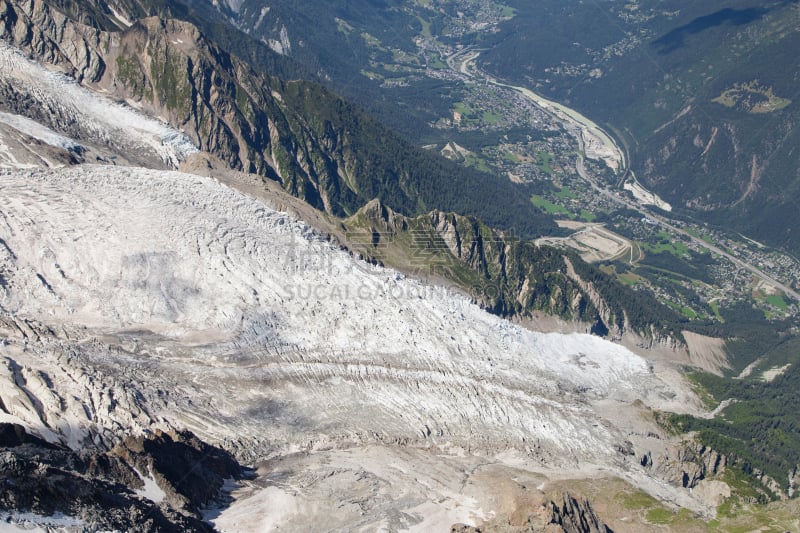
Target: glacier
<point>134,299</point>
<point>261,298</point>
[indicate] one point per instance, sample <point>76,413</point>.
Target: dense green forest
<point>760,431</point>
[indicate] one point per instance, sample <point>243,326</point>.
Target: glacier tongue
<point>81,114</point>
<point>37,131</point>
<point>202,308</point>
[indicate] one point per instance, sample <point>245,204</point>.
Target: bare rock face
<point>568,514</point>
<point>103,490</point>
<point>712,491</point>
<point>49,35</point>
<point>616,327</point>
<point>576,516</point>
<point>686,465</point>
<point>191,472</point>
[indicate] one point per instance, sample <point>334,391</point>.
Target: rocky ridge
<point>133,487</point>
<point>506,275</point>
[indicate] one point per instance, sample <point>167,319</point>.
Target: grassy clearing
<point>462,108</point>
<point>510,157</point>
<point>625,508</point>
<point>709,402</point>
<point>667,244</point>
<point>688,312</point>
<point>508,12</point>
<point>472,160</point>
<point>677,248</point>
<point>548,206</point>
<point>426,27</point>
<point>630,279</point>
<point>635,501</point>
<point>752,97</point>
<point>702,236</point>
<point>715,309</point>
<point>491,118</point>
<point>566,193</point>
<point>434,61</point>
<point>544,160</point>
<point>777,301</point>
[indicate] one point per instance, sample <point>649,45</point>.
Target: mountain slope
<point>322,150</point>
<point>702,95</point>
<point>73,119</point>
<point>319,147</point>
<point>135,300</point>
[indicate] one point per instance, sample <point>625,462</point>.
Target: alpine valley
<point>373,266</point>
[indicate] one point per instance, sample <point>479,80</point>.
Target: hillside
<point>328,153</point>
<point>708,126</point>
<point>508,276</point>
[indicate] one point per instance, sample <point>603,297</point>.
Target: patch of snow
<point>283,45</point>
<point>749,369</point>
<point>30,522</point>
<point>772,373</point>
<point>127,23</point>
<point>264,11</point>
<point>234,5</point>
<point>724,404</point>
<point>151,490</point>
<point>265,510</point>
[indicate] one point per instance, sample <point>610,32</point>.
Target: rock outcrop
<point>687,465</point>
<point>575,515</point>
<point>567,514</point>
<point>190,472</point>
<point>108,490</point>
<point>53,38</point>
